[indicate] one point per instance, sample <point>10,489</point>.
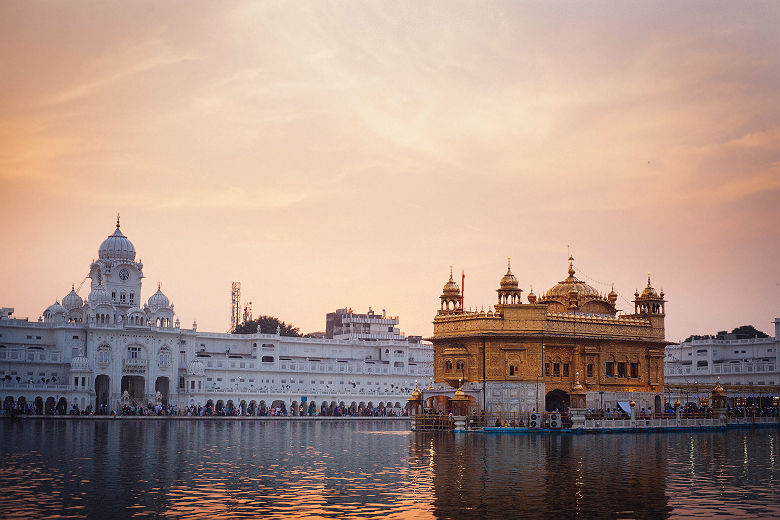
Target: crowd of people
<point>170,410</point>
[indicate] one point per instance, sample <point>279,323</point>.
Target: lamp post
<point>601,398</point>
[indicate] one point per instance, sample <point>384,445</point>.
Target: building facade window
<point>589,370</point>
<point>610,369</point>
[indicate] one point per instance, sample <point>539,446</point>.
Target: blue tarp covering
<point>625,406</point>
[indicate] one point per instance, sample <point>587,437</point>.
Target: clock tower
<point>117,271</point>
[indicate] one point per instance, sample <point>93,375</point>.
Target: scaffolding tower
<point>235,306</point>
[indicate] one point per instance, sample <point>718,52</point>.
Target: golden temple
<point>570,346</point>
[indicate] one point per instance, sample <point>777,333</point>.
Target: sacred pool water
<point>240,469</point>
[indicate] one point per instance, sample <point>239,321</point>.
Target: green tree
<point>267,325</point>
<point>748,331</point>
<point>741,332</point>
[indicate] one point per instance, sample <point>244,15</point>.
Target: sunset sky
<point>347,153</point>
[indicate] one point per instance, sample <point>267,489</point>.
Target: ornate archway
<point>556,400</point>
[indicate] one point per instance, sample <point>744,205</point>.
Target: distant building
<point>113,347</point>
<point>753,361</point>
<point>347,324</point>
<point>570,341</point>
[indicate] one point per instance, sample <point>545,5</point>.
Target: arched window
<point>104,355</point>
<point>164,357</point>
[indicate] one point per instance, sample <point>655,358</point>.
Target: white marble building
<point>754,361</point>
<point>87,352</point>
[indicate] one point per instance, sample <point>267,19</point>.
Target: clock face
<point>124,274</point>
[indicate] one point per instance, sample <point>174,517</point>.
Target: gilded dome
<point>460,395</point>
<point>612,296</point>
<point>531,296</point>
<point>451,288</point>
<point>648,291</point>
<point>158,300</point>
<point>72,300</point>
<point>416,394</point>
<point>570,287</point>
<point>117,246</point>
<point>508,281</point>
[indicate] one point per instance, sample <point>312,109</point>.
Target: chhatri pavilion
<point>568,347</point>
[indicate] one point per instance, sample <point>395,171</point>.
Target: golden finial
<point>117,220</point>
<point>648,278</point>
<point>158,285</point>
<point>508,264</point>
<point>73,287</point>
<point>450,271</point>
<point>571,264</point>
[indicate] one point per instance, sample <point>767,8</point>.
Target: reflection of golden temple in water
<point>533,476</point>
<point>571,342</point>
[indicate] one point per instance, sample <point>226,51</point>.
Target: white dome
<point>158,300</point>
<point>99,295</point>
<point>72,300</point>
<point>79,363</point>
<point>117,247</point>
<point>195,368</point>
<point>54,308</point>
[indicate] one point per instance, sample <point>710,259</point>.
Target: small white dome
<point>195,368</point>
<point>117,247</point>
<point>80,363</point>
<point>99,295</point>
<point>158,300</point>
<point>54,308</point>
<point>72,300</point>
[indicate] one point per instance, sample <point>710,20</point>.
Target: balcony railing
<point>6,385</point>
<point>134,364</point>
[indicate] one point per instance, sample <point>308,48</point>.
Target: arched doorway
<point>50,404</point>
<point>556,400</point>
<point>161,385</point>
<point>38,405</point>
<point>658,405</point>
<point>102,386</point>
<point>135,386</point>
<point>62,406</point>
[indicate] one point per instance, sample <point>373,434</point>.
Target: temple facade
<point>568,347</point>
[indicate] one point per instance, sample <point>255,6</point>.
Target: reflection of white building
<point>754,361</point>
<point>89,351</point>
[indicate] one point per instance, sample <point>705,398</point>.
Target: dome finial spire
<point>450,271</point>
<point>117,220</point>
<point>159,284</point>
<point>508,264</point>
<point>571,263</point>
<point>648,278</point>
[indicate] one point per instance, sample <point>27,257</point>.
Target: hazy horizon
<point>346,154</point>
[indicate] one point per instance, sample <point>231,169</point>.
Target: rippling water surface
<point>241,469</point>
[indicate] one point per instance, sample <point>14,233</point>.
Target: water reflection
<point>236,469</point>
